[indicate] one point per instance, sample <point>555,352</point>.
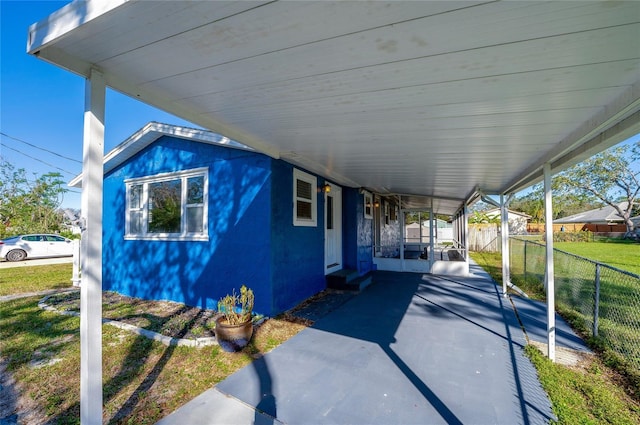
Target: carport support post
<point>465,233</point>
<point>504,221</point>
<point>432,256</point>
<point>548,275</point>
<point>91,258</point>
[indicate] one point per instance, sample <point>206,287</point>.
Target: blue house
<point>190,215</point>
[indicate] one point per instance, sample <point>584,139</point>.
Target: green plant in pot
<point>234,326</point>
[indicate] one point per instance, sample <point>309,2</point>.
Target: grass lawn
<point>591,394</point>
<point>18,280</point>
<point>143,380</point>
<point>621,254</point>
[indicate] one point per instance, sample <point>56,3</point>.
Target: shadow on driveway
<point>411,349</point>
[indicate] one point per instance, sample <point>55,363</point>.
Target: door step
<point>348,280</point>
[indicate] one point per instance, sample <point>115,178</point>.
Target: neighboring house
<point>604,219</point>
<point>71,221</point>
<point>517,220</point>
<point>190,215</point>
<point>602,215</point>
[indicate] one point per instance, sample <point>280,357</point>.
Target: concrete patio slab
<point>411,349</point>
<point>533,315</point>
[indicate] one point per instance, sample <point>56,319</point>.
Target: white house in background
<point>517,220</point>
<point>444,231</point>
<point>72,220</point>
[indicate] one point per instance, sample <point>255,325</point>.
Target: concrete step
<point>348,280</point>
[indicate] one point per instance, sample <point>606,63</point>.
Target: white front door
<point>333,229</point>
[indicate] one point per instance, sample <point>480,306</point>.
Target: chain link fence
<point>607,299</point>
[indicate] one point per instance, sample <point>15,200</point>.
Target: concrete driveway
<point>35,262</point>
<point>410,349</point>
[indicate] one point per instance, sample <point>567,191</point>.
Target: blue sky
<point>43,105</point>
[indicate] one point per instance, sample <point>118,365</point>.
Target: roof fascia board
<point>65,20</point>
<point>621,131</point>
<point>61,59</point>
<point>594,135</point>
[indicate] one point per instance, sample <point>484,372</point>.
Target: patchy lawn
<point>18,280</point>
<point>143,380</point>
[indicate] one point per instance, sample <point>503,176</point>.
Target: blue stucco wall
<point>196,273</point>
<point>358,233</point>
<point>297,252</point>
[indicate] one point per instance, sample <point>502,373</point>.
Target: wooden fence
<point>578,227</point>
<point>484,237</point>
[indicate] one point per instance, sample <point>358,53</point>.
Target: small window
<point>169,206</point>
<point>368,205</point>
<point>304,199</point>
<point>393,214</point>
<point>386,212</point>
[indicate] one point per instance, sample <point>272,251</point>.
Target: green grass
<point>143,380</point>
<point>621,254</point>
<point>17,280</point>
<point>619,301</point>
<point>587,396</point>
<point>606,391</point>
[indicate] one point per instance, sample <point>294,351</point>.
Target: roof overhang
<point>432,99</point>
<point>149,134</point>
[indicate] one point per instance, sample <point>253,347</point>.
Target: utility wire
<point>39,160</point>
<point>42,149</point>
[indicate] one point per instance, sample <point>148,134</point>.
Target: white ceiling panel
<point>420,98</point>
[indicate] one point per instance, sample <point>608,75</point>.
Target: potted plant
<point>234,325</point>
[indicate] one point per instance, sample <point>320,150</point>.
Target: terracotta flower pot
<point>233,337</point>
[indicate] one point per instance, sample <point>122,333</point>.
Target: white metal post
<point>432,257</point>
<point>75,276</point>
<point>504,221</point>
<point>548,275</point>
<point>465,233</point>
<point>91,287</point>
<point>403,236</point>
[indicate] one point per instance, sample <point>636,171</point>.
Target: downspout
<point>549,269</point>
<point>91,286</point>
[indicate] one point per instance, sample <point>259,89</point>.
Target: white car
<point>19,248</point>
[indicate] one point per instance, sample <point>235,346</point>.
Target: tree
<point>564,204</point>
<point>29,206</point>
<point>610,176</point>
<point>481,217</point>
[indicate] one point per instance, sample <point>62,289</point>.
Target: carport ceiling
<point>424,98</point>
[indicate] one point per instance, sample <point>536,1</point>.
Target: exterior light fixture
<point>376,204</point>
<point>326,188</point>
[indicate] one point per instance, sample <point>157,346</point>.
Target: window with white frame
<point>304,199</point>
<point>368,205</point>
<point>169,206</point>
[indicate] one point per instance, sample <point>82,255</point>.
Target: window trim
<point>162,177</point>
<point>313,181</point>
<point>368,200</point>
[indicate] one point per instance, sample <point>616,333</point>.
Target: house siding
<point>358,233</point>
<point>251,236</point>
<point>196,273</point>
<point>297,254</point>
